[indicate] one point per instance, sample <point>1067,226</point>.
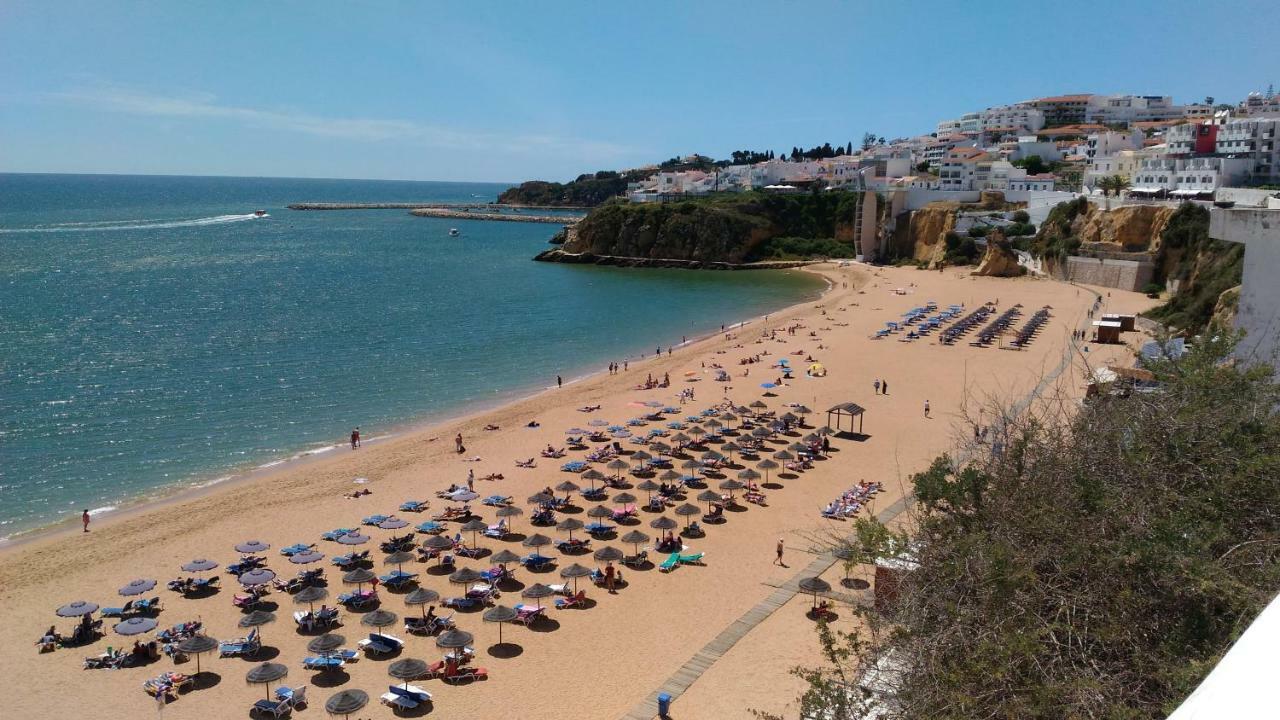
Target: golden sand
<point>599,662</point>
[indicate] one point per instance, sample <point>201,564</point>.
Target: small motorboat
<point>453,232</point>
<point>259,213</point>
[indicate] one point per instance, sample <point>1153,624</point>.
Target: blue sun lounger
<point>337,533</point>
<point>374,519</point>
<point>430,527</point>
<point>323,662</point>
<point>413,506</point>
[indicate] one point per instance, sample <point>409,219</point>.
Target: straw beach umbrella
<point>265,674</point>
<point>688,511</point>
<point>257,619</point>
<point>708,497</point>
<point>662,522</point>
<point>311,595</point>
<point>814,586</point>
<point>569,525</point>
<point>766,465</point>
<point>407,669</point>
<point>326,643</point>
<point>455,639</point>
<point>608,554</point>
<point>422,597</point>
<point>197,645</point>
<point>379,618</point>
<point>635,537</point>
<point>574,572</point>
<point>346,702</point>
<point>500,614</point>
<point>474,526</point>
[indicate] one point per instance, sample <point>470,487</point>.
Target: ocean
<point>155,335</point>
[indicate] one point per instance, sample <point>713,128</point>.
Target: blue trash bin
<point>664,704</point>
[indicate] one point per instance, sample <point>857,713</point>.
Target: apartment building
<point>1021,117</point>
<point>1188,177</point>
<point>960,168</point>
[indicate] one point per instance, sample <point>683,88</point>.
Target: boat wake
<point>157,224</point>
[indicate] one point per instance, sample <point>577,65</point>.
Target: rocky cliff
<point>734,229</point>
<point>999,260</point>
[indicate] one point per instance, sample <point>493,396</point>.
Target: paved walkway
<point>680,681</point>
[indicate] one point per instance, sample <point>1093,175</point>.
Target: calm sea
<point>154,334</point>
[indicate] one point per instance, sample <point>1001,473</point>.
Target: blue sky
<point>507,91</point>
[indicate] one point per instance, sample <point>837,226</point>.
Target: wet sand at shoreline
<point>597,662</point>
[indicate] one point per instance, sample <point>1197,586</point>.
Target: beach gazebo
<point>851,410</point>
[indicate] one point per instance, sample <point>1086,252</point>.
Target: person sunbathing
<point>490,427</point>
<point>526,463</point>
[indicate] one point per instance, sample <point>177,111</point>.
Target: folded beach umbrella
<point>393,523</point>
<point>663,523</point>
<point>326,643</point>
<point>608,554</point>
<point>252,546</point>
<point>500,614</point>
<point>346,702</point>
<point>304,558</point>
<point>265,674</point>
<point>455,638</point>
<point>255,577</point>
<point>353,538</point>
<point>136,626</point>
<point>379,618</point>
<point>200,565</point>
<point>311,595</point>
<point>137,587</point>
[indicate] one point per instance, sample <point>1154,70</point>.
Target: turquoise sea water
<point>153,334</point>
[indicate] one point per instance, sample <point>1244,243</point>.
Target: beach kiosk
<point>1107,331</point>
<point>1127,322</point>
<point>889,574</point>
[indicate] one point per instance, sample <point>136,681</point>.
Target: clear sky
<point>512,90</point>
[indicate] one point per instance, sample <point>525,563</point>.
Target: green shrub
<point>795,248</point>
<point>1021,216</point>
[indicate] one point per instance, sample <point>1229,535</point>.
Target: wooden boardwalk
<point>693,668</point>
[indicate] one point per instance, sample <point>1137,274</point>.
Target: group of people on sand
<point>615,368</point>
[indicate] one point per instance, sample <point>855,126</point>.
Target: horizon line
<point>260,177</point>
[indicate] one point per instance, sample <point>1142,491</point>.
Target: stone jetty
<point>500,216</point>
<point>426,205</point>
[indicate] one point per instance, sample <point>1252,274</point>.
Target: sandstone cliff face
<point>684,233</point>
<point>1224,311</point>
<point>1132,228</point>
<point>999,259</point>
<point>927,230</point>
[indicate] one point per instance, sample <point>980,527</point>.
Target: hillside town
<point>1131,146</point>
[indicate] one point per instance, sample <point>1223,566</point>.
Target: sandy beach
<point>606,660</point>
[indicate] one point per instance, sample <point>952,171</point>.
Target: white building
<point>1188,177</point>
<point>1124,109</point>
<point>1043,181</point>
<point>1111,142</point>
<point>1021,116</point>
<point>1030,145</point>
<point>1255,138</point>
<point>960,168</point>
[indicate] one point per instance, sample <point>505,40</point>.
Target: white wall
<point>1258,313</point>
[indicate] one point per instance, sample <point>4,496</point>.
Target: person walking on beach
<point>559,381</point>
<point>884,387</point>
<point>457,442</point>
<point>471,479</point>
<point>610,577</point>
<point>876,385</point>
<point>926,408</point>
<point>778,560</point>
<point>355,438</point>
<point>84,518</point>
